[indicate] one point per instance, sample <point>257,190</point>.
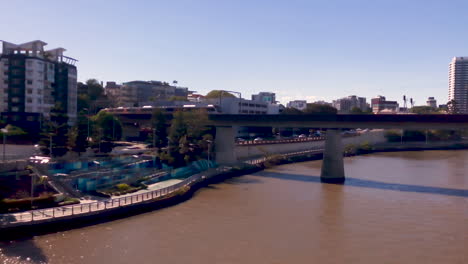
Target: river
<point>401,207</point>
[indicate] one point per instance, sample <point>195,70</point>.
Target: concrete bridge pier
<point>225,145</point>
<point>333,166</point>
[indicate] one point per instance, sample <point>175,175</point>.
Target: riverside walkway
<point>159,190</point>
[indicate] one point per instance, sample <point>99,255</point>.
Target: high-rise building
<point>33,80</point>
<point>458,84</point>
<point>432,102</point>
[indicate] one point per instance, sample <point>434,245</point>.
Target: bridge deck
<point>344,121</point>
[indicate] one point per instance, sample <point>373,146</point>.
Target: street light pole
<point>50,145</point>
<point>154,147</point>
<point>4,131</point>
<point>32,190</point>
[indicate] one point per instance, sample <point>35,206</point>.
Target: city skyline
<point>300,50</point>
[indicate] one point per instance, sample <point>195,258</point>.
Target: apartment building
<point>33,80</point>
<point>458,84</point>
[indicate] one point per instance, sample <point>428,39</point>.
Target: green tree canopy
<point>13,131</point>
<point>356,111</point>
<point>189,138</point>
<point>78,135</point>
<point>320,109</point>
<point>55,129</point>
<point>291,111</point>
<point>178,98</point>
<point>218,94</point>
<point>452,106</point>
<point>108,126</point>
<point>424,110</point>
<point>95,89</point>
<point>158,124</point>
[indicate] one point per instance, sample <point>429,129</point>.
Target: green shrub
<point>123,187</point>
<point>365,147</point>
<point>393,136</point>
<point>350,150</point>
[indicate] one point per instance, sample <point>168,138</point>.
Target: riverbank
<point>49,220</point>
<point>100,212</point>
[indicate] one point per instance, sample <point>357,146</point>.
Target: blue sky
<point>314,50</point>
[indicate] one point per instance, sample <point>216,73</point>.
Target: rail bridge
<point>332,167</point>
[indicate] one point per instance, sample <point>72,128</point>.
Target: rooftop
<point>35,48</point>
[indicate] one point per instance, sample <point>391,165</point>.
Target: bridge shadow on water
<point>20,251</point>
<point>369,184</point>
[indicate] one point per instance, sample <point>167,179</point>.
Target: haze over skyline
<point>313,50</point>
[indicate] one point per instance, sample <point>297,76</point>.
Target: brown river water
<point>402,207</point>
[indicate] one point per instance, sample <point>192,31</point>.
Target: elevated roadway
<point>332,166</point>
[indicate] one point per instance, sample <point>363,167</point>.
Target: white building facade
<point>431,102</point>
<point>298,104</point>
<point>33,80</point>
<point>458,84</point>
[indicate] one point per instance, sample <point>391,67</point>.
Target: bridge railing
<point>279,141</point>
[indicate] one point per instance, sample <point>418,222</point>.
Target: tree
<point>356,111</point>
<point>218,94</point>
<point>158,124</point>
<point>108,125</point>
<point>320,109</point>
<point>424,110</point>
<point>95,89</point>
<point>177,131</point>
<point>178,98</point>
<point>78,135</point>
<point>56,128</point>
<point>452,106</point>
<point>291,111</point>
<point>92,96</point>
<point>189,138</point>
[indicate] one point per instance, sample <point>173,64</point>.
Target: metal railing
<point>279,141</point>
<point>39,215</point>
<point>286,155</point>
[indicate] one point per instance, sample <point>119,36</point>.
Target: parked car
<point>302,136</point>
<point>258,139</point>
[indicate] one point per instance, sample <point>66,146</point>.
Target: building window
<point>15,99</point>
<point>30,118</point>
<point>29,82</point>
<point>29,91</point>
<point>29,100</point>
<point>5,81</point>
<point>15,109</point>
